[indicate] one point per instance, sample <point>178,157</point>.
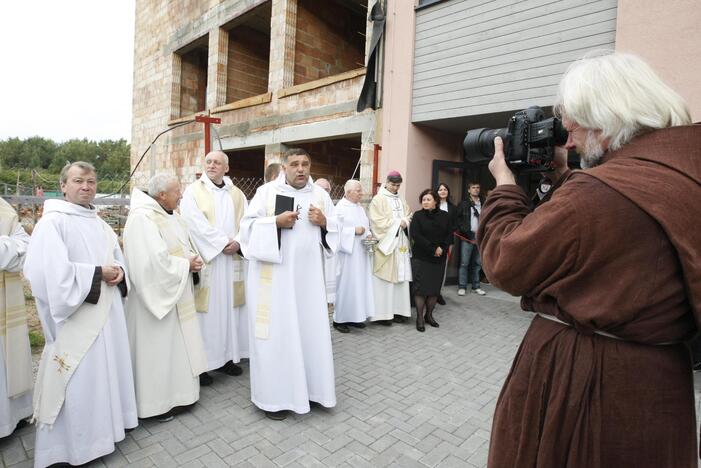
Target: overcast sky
<point>66,68</point>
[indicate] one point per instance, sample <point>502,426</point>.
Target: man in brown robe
<point>611,263</point>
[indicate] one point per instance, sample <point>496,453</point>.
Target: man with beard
<point>610,262</point>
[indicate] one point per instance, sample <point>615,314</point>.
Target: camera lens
<point>479,144</point>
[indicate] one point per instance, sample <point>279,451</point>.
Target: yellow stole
<point>13,318</point>
<point>205,202</point>
<point>265,280</point>
<point>186,306</point>
<point>61,358</point>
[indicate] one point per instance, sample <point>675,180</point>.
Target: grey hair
<point>159,183</point>
<point>620,95</point>
<point>350,184</point>
<point>85,166</point>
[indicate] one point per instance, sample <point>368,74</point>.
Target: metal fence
<point>112,200</point>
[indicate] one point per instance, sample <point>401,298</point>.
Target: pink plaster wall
<point>667,35</point>
<point>405,146</point>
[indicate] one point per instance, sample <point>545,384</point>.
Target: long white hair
<point>620,95</point>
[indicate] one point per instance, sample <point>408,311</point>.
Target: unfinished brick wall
<point>193,84</point>
<point>327,40</point>
<point>334,160</point>
<point>247,71</point>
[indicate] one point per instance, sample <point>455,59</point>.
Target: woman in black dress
<point>446,204</point>
<point>430,233</point>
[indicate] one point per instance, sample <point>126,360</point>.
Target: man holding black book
<point>287,229</point>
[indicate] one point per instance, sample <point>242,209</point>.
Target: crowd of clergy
<point>202,279</point>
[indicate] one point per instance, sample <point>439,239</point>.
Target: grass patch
<point>36,339</point>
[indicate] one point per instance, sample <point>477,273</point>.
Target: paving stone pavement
<point>405,399</point>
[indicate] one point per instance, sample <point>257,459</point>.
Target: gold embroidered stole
<point>265,280</point>
<point>205,202</point>
<point>186,305</point>
<point>13,318</point>
<point>74,338</point>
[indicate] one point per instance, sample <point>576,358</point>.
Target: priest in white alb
<point>164,334</point>
<point>213,207</point>
<point>354,298</point>
<point>389,217</point>
<point>330,266</point>
<point>16,377</point>
<point>287,227</point>
<point>84,393</point>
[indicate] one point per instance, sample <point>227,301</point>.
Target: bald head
<point>216,165</point>
<point>323,183</point>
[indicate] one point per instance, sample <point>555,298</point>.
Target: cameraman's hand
<point>559,164</point>
<point>497,166</point>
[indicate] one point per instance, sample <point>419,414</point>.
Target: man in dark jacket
<point>468,221</point>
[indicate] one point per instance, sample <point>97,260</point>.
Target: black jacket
<point>464,216</point>
<point>428,230</point>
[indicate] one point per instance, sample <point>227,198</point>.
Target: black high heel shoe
<point>420,324</point>
<point>429,319</point>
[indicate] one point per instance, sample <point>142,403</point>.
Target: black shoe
<point>165,417</point>
<point>399,319</point>
<point>356,324</point>
<point>440,300</point>
<point>22,423</point>
<point>230,369</point>
<point>341,327</point>
<point>697,366</point>
<point>205,379</point>
<point>276,415</point>
<point>429,320</point>
<point>386,323</point>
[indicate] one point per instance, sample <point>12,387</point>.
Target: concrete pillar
<point>283,28</point>
<point>367,154</point>
<point>176,74</point>
<point>274,152</point>
<point>217,68</point>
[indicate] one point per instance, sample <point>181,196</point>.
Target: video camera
<point>529,141</point>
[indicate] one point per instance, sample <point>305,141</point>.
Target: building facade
<point>283,73</point>
<point>472,64</point>
<point>278,73</point>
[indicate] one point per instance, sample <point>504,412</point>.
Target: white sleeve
<point>12,249</point>
<point>209,240</point>
<point>56,281</point>
<point>258,232</point>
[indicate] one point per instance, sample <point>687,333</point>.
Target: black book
<point>283,203</point>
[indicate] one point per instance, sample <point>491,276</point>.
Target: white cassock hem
<point>390,299</point>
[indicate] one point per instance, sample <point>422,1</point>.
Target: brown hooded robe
<point>617,248</point>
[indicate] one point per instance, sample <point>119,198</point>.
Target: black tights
<point>427,302</point>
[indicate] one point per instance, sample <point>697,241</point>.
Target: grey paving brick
<point>193,454</point>
<point>212,460</point>
<point>144,453</point>
<point>404,400</point>
<point>115,460</point>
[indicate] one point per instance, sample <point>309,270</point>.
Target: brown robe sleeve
<point>523,252</point>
